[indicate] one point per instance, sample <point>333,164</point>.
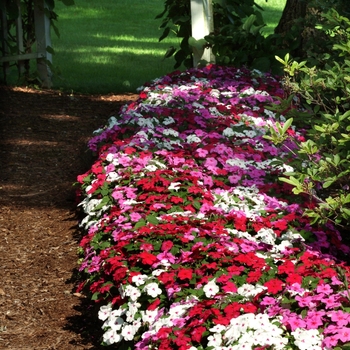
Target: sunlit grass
<point>110,46</point>
<point>272,13</point>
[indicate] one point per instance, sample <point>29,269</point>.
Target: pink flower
<point>343,334</point>
<point>340,317</point>
<point>324,289</point>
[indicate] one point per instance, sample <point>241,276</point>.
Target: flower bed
<point>191,242</point>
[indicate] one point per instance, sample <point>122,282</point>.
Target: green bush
<point>322,94</point>
<point>237,39</point>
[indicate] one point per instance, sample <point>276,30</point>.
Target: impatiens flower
<point>307,339</point>
<point>139,280</point>
<point>211,289</point>
<point>249,290</point>
<point>185,274</point>
<point>274,285</point>
<point>191,240</point>
<point>152,289</point>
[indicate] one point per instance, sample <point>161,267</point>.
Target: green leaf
<point>287,124</point>
<point>165,34</point>
<point>292,181</point>
<point>197,205</point>
<point>49,49</point>
<point>152,219</point>
<point>139,224</point>
<point>95,296</point>
<point>328,183</point>
<point>249,22</point>
<point>346,211</point>
<point>169,52</point>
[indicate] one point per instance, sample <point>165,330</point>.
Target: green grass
<point>272,13</point>
<point>112,46</point>
<point>109,46</point>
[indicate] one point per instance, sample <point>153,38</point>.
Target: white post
<point>202,25</point>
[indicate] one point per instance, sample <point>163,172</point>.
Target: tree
<point>298,22</point>
<point>293,10</point>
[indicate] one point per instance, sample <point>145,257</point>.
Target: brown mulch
<point>43,136</point>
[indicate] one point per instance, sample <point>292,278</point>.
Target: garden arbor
<point>25,35</point>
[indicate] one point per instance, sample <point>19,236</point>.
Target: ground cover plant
<point>191,243</point>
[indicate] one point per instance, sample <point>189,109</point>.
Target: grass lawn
<point>108,46</point>
<point>272,13</point>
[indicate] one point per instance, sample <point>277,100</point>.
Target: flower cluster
<point>191,242</point>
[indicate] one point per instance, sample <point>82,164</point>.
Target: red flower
<point>197,333</point>
<point>176,199</point>
<point>164,332</point>
<point>147,258</point>
<point>274,286</point>
<point>294,278</point>
<point>154,305</point>
<point>184,274</point>
<point>167,245</point>
<point>253,276</point>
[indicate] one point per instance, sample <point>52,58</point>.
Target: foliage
<point>322,163</point>
<point>236,40</point>
<point>25,9</point>
<point>190,242</point>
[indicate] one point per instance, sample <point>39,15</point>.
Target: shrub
<point>322,163</point>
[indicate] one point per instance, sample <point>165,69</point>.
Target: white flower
<point>110,157</point>
<point>113,176</point>
<point>157,272</point>
<point>132,292</point>
<point>266,235</point>
<point>149,316</point>
<point>133,308</point>
<point>174,186</point>
<point>250,290</point>
<point>90,205</point>
<point>115,323</point>
<point>171,132</point>
<point>152,289</point>
<point>211,289</point>
<point>218,328</point>
<point>307,338</point>
<point>111,337</point>
<point>128,332</point>
<point>250,133</point>
<point>168,120</point>
<point>228,132</point>
<point>151,167</point>
<point>139,279</point>
<point>193,139</point>
<point>215,340</point>
<point>105,311</point>
<point>177,311</point>
<point>145,122</point>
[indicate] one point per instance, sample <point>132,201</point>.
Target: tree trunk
<point>293,10</point>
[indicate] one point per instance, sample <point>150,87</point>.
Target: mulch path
<point>43,136</point>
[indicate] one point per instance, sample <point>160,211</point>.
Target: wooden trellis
<point>42,38</point>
